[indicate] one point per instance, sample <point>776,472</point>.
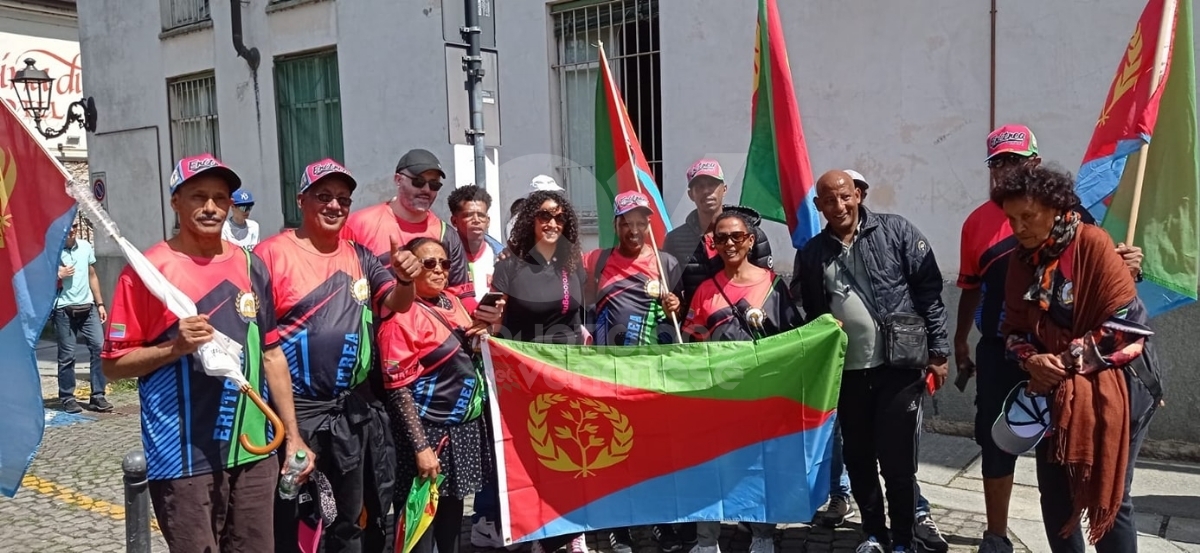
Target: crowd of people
<point>362,330</point>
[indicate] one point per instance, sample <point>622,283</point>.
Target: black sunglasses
<point>737,238</point>
<point>326,197</point>
<point>544,217</point>
<point>418,182</point>
<point>1005,160</point>
<point>430,263</point>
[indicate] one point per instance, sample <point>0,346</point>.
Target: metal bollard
<point>137,503</point>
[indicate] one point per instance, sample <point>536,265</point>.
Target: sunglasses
<point>544,217</point>
<point>326,197</point>
<point>418,182</point>
<point>736,238</point>
<point>431,263</point>
<point>245,208</point>
<point>1004,161</point>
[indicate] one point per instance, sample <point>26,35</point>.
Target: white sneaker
<point>484,534</point>
<point>870,546</point>
<point>579,544</point>
<point>762,545</point>
<point>705,549</point>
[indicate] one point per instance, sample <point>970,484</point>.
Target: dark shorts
<point>995,377</point>
<point>229,510</point>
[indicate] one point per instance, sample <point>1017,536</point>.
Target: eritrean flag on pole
<point>588,438</point>
<point>1153,94</point>
<point>620,164</point>
<point>778,180</point>
<point>35,215</point>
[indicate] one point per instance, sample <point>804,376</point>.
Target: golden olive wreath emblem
<point>588,450</point>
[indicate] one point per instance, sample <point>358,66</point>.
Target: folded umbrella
<point>420,508</point>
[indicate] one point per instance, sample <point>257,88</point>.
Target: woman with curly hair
<point>1073,321</point>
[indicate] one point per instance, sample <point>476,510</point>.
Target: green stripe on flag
<point>760,184</point>
<point>606,164</point>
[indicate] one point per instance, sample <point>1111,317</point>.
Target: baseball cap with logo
<point>418,161</point>
<point>629,201</point>
<point>243,197</point>
<point>1023,421</point>
<point>1012,139</point>
<point>189,168</point>
<point>324,169</point>
<point>859,180</point>
<point>705,168</point>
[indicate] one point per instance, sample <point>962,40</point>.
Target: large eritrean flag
<point>620,164</point>
<point>778,180</point>
<point>35,215</point>
<point>608,437</point>
<point>1168,226</point>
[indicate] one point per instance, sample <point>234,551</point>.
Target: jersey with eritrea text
<point>759,309</point>
<point>628,310</point>
<point>324,303</point>
<point>191,421</point>
<point>375,227</point>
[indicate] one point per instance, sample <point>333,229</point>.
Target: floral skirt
<point>466,458</point>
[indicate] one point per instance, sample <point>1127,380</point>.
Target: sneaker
<point>578,545</point>
<point>668,540</point>
<point>899,549</point>
<point>926,535</point>
<point>993,543</point>
<point>838,511</point>
<point>71,405</point>
<point>870,546</point>
<point>484,534</point>
<point>762,545</point>
<point>687,534</point>
<point>620,540</point>
<point>705,549</point>
<point>100,405</point>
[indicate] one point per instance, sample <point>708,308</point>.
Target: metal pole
<point>137,503</point>
<point>473,65</point>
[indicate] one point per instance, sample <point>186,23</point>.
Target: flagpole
<point>1165,40</point>
<point>665,286</point>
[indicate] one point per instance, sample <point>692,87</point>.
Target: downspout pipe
<point>249,54</point>
<point>992,82</point>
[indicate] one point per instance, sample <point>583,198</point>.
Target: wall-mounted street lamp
<point>37,87</point>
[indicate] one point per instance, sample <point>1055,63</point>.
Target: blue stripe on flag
<point>651,190</point>
<point>21,395</point>
<point>1099,178</point>
<point>757,483</point>
<point>1159,300</point>
<point>808,220</point>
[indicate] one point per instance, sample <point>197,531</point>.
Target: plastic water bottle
<point>288,487</point>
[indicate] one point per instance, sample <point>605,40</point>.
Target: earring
<point>1057,218</point>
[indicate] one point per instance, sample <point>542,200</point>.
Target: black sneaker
<point>620,540</point>
<point>99,404</point>
<point>71,405</point>
<point>668,540</point>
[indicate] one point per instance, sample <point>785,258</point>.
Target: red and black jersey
<point>986,244</point>
<point>722,311</point>
<point>375,226</point>
<point>423,349</point>
<point>629,310</point>
<point>324,304</point>
<point>191,421</point>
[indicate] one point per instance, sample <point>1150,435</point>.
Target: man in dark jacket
<point>861,268</point>
<point>691,243</point>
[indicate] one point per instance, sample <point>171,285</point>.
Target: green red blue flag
<point>589,437</point>
<point>1168,224</point>
<point>620,164</point>
<point>35,216</point>
<point>778,181</point>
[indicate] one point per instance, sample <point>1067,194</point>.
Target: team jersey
<point>763,308</point>
<point>628,309</point>
<point>987,242</point>
<point>420,351</point>
<point>324,303</point>
<point>191,421</point>
<point>485,258</point>
<point>375,226</point>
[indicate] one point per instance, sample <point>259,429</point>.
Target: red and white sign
<point>59,58</point>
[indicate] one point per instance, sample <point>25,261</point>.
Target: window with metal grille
<point>309,115</point>
<point>629,30</point>
<point>178,13</point>
<point>192,102</point>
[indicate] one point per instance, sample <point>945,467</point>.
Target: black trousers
<point>1056,493</point>
<point>345,535</point>
<point>880,413</point>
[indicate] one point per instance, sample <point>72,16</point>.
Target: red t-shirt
<point>375,226</point>
<point>190,421</point>
<point>711,317</point>
<point>986,244</point>
<point>324,302</point>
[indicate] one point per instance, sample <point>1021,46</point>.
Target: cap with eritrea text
<point>705,168</point>
<point>189,168</point>
<point>628,201</point>
<point>324,169</point>
<point>1012,139</point>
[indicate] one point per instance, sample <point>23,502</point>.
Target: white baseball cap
<point>544,183</point>
<point>1023,421</point>
<point>858,178</point>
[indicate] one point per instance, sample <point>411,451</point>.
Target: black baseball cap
<point>418,161</point>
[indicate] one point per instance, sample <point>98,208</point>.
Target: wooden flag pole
<point>664,286</point>
<point>1165,39</point>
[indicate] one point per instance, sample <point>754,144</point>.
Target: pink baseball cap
<point>705,168</point>
<point>189,168</point>
<point>1012,139</point>
<point>629,201</point>
<point>323,169</point>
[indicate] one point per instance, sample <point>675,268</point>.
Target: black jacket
<point>685,244</point>
<point>904,273</point>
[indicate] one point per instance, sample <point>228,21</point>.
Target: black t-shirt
<point>545,301</point>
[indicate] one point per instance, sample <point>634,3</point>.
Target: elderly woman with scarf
<point>1074,322</point>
